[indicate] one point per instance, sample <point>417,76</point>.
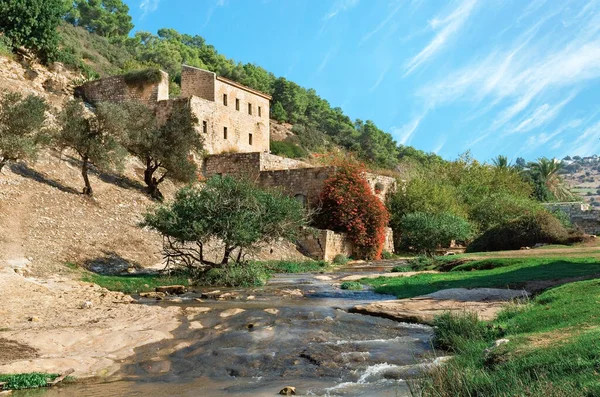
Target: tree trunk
<point>151,182</point>
<point>87,190</point>
<point>226,256</point>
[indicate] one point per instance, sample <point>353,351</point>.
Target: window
<point>237,104</point>
<point>224,132</point>
<point>250,139</point>
<point>249,108</point>
<point>225,99</point>
<point>259,112</point>
<point>204,126</point>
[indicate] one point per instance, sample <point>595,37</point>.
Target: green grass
<point>553,349</point>
<point>513,273</point>
<point>134,284</point>
<point>294,266</point>
<point>351,285</point>
<point>26,381</point>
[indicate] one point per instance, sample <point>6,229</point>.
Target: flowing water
<point>293,332</point>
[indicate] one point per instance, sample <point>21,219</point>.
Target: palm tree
<point>545,171</point>
<point>501,162</point>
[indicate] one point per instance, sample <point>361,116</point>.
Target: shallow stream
<point>295,331</point>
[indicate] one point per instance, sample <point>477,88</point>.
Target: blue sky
<point>513,77</point>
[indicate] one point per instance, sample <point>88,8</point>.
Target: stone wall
<point>197,82</point>
<point>115,89</point>
<point>237,164</point>
<point>381,185</point>
<point>325,244</point>
<point>580,215</point>
<point>271,162</point>
<point>305,184</point>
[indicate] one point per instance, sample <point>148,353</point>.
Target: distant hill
<point>582,174</point>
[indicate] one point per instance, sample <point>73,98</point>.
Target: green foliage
<point>544,176</point>
<point>563,218</point>
<point>340,259</point>
<point>80,47</point>
<point>500,208</point>
<point>387,255</point>
<point>237,274</point>
<point>93,137</point>
<point>515,274</point>
<point>32,24</point>
<point>166,147</point>
<point>142,77</point>
<point>233,211</point>
<point>134,284</point>
<point>278,112</point>
<point>351,285</point>
<point>21,126</point>
<point>426,232</point>
<point>294,266</point>
<point>527,230</point>
<point>108,18</point>
<point>30,380</point>
<point>376,146</point>
<point>288,149</point>
<point>553,349</point>
<point>453,331</point>
<point>402,269</point>
<point>5,47</point>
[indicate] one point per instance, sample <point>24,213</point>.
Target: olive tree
<point>93,135</point>
<point>233,211</point>
<point>21,126</point>
<point>165,147</point>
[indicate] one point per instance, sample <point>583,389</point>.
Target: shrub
<point>402,269</point>
<point>143,77</point>
<point>351,285</point>
<point>424,232</point>
<point>233,211</point>
<point>387,255</point>
<point>238,274</point>
<point>528,230</point>
<point>26,381</point>
<point>21,126</point>
<point>500,208</point>
<point>454,331</point>
<point>288,149</point>
<point>340,259</point>
<point>349,205</point>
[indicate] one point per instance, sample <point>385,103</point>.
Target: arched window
<point>301,198</point>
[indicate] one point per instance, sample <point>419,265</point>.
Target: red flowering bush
<point>349,205</point>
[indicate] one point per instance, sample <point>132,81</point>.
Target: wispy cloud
<point>211,10</point>
<point>382,24</point>
<point>339,7</point>
<point>148,6</point>
<point>520,77</point>
<point>541,115</point>
<point>446,27</point>
<point>405,133</point>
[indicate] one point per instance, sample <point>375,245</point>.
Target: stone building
<point>231,117</point>
<point>234,123</point>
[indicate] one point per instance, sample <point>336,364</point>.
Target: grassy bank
<point>492,273</point>
<point>246,275</point>
<point>553,348</point>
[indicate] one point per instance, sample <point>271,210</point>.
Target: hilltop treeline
<point>94,36</point>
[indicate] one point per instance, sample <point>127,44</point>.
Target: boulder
<point>288,391</point>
